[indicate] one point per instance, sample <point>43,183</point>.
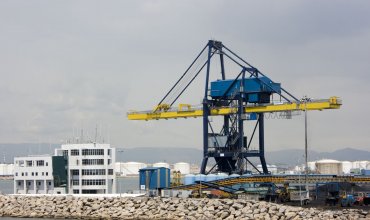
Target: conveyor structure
<point>277,179</point>
<point>236,96</point>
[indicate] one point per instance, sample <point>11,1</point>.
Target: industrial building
<point>90,168</point>
<point>40,175</point>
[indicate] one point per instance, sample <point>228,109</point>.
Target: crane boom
<point>194,111</point>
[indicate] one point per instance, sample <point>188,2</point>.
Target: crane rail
<point>189,111</point>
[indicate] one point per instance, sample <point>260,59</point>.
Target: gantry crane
<point>246,96</point>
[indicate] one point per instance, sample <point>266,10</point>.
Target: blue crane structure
<point>246,96</point>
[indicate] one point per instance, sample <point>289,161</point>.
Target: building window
<point>75,172</point>
<point>92,172</point>
<point>65,153</point>
<point>75,152</point>
<point>33,173</point>
<point>42,173</point>
<point>26,174</point>
<point>22,174</point>
<point>110,172</point>
<point>16,174</point>
<point>39,163</point>
<point>109,152</point>
<point>49,183</point>
<point>29,163</point>
<point>95,152</point>
<point>92,161</point>
<point>29,183</point>
<point>19,183</point>
<point>37,173</point>
<point>76,191</point>
<point>47,174</point>
<point>75,182</point>
<point>109,161</point>
<point>96,182</point>
<point>21,163</point>
<point>47,164</point>
<point>39,183</point>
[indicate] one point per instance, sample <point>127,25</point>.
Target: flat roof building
<point>41,174</point>
<point>90,168</point>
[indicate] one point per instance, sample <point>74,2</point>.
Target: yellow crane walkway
<point>164,111</point>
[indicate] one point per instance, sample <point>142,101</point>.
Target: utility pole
<point>305,100</point>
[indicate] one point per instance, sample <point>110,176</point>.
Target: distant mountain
<point>190,155</point>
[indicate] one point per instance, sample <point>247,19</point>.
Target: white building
<point>90,168</point>
<point>34,175</point>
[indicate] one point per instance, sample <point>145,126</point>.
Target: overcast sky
<point>67,65</point>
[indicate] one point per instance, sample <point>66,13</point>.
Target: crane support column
<point>262,142</point>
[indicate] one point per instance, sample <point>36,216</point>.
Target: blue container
<point>221,176</point>
<point>258,90</point>
<point>365,172</point>
<point>189,179</point>
<point>154,178</point>
<point>211,177</point>
<point>200,177</point>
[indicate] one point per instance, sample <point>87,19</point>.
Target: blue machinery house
<point>154,178</point>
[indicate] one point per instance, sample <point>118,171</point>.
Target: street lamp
<point>305,99</point>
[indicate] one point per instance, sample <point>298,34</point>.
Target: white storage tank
<point>10,169</point>
<point>328,166</point>
<point>161,164</point>
<point>184,168</point>
<point>363,164</point>
<point>189,179</point>
<point>132,168</point>
<point>346,167</point>
<point>355,164</point>
<point>3,169</point>
<point>311,165</point>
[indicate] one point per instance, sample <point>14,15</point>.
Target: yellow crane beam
<point>188,111</point>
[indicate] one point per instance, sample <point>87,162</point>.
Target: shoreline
<point>89,207</point>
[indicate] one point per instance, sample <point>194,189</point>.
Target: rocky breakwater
<point>160,208</point>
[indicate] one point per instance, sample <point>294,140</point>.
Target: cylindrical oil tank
<point>200,177</point>
<point>211,177</point>
<point>132,168</point>
<point>355,164</point>
<point>328,166</point>
<point>3,169</point>
<point>346,167</point>
<point>184,168</point>
<point>311,165</point>
<point>10,169</point>
<point>189,179</point>
<point>161,164</point>
<point>221,176</point>
<point>363,164</point>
